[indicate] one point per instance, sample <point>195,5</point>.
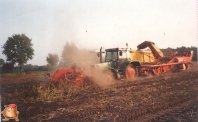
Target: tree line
<point>181,49</point>
<point>18,49</point>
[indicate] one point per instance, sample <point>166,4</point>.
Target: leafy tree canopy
<point>2,62</point>
<point>52,59</point>
<point>181,49</point>
<point>7,67</point>
<point>69,54</point>
<point>18,49</point>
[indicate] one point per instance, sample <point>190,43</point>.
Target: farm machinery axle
<point>124,63</point>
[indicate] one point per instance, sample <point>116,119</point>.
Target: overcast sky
<point>93,24</point>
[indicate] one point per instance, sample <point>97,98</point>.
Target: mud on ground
<point>167,97</point>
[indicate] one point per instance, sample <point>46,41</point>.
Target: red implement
<point>69,75</point>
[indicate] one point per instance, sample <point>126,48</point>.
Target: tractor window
<point>124,55</point>
<point>111,56</point>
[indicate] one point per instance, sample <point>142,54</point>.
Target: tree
<point>70,54</point>
<point>28,67</point>
<point>181,49</point>
<point>1,62</point>
<point>188,49</point>
<point>52,60</point>
<point>7,67</point>
<point>18,49</point>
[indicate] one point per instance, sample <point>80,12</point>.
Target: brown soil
<point>167,97</point>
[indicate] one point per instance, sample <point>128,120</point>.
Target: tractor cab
<point>116,56</point>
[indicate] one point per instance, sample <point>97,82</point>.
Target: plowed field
<point>167,97</point>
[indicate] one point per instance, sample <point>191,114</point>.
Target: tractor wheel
<point>130,72</point>
<point>109,77</point>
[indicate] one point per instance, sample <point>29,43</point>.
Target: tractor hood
<point>101,66</point>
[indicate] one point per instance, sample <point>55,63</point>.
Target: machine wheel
<point>109,76</point>
<point>130,72</point>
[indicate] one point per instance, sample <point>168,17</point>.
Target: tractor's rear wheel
<point>109,77</point>
<point>130,72</point>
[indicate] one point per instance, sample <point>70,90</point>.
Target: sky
<point>92,24</point>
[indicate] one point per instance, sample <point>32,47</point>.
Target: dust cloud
<point>101,79</point>
<point>84,59</point>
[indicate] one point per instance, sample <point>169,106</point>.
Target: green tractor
<point>121,63</point>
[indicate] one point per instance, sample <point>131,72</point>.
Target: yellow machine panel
<point>142,56</point>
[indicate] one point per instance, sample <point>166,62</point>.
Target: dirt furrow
<point>123,101</point>
<point>127,103</point>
